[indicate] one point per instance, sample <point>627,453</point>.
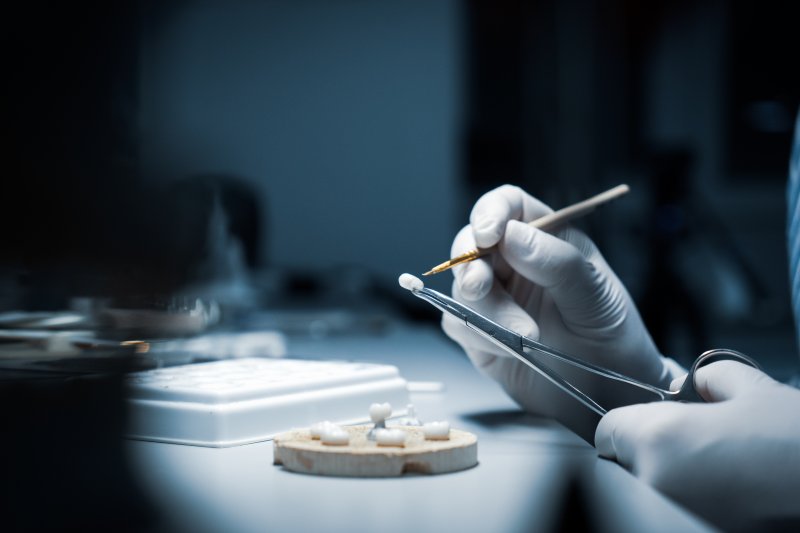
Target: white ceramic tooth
<point>436,430</point>
<point>334,436</point>
<point>410,282</point>
<point>317,429</point>
<point>390,437</point>
<point>379,412</point>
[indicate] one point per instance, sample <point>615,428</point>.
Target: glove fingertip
<point>603,439</point>
<point>614,423</point>
<point>677,383</point>
<point>487,231</point>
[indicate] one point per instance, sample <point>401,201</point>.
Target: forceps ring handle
<point>688,391</point>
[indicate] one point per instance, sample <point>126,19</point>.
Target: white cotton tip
<point>436,430</point>
<point>410,283</point>
<point>378,412</point>
<point>335,436</point>
<point>319,428</point>
<point>390,437</point>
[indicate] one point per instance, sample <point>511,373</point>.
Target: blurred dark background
<point>299,155</point>
<point>354,136</point>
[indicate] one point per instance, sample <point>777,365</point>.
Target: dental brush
<point>547,221</point>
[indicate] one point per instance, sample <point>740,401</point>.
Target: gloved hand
<point>555,288</point>
<point>735,462</point>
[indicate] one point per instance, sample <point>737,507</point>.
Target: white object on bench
<point>239,401</point>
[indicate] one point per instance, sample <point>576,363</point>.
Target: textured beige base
<point>298,452</point>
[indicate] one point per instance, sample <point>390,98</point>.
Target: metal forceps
<point>515,344</point>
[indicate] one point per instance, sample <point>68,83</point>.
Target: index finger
<point>495,208</point>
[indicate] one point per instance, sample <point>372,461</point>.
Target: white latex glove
<point>555,288</point>
<point>735,462</point>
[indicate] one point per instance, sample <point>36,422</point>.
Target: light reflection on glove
<point>735,462</point>
<point>555,288</point>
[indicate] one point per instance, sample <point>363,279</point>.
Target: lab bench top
<point>533,474</point>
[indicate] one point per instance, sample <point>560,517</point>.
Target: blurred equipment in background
<point>564,98</point>
<point>75,223</point>
<point>218,221</point>
<point>668,302</point>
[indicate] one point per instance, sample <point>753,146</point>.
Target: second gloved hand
<point>735,461</point>
<point>554,288</point>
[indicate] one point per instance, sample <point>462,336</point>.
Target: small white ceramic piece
<point>436,430</point>
<point>334,436</point>
<point>379,412</point>
<point>410,282</point>
<point>317,429</point>
<point>390,437</point>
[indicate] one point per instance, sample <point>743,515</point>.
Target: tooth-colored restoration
<point>390,437</point>
<point>410,282</point>
<point>317,429</point>
<point>334,436</point>
<point>378,412</point>
<point>436,430</point>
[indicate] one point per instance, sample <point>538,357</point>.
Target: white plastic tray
<point>239,401</point>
